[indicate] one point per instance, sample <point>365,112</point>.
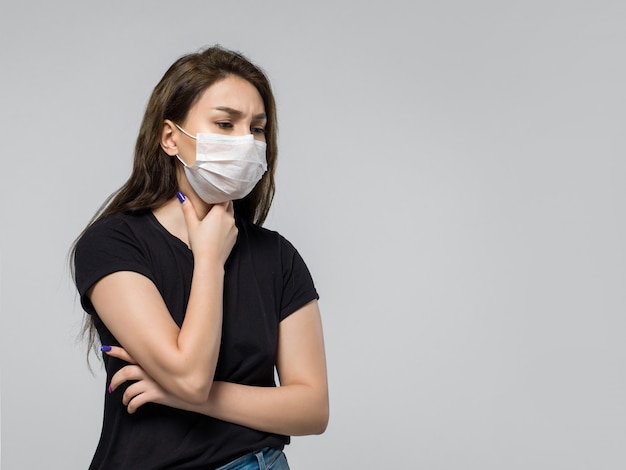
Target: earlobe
<point>168,139</point>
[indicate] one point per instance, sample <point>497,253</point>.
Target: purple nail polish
<point>180,196</point>
<point>110,389</point>
<point>105,348</point>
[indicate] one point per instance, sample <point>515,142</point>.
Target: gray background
<point>451,171</point>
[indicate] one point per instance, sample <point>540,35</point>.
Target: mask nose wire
<point>185,132</point>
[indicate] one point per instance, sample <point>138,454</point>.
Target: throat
<point>171,217</point>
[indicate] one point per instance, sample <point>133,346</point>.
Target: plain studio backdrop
<point>451,171</point>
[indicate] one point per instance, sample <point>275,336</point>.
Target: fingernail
<point>105,348</point>
<point>110,389</point>
<point>180,196</point>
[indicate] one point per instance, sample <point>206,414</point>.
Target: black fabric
<point>265,281</point>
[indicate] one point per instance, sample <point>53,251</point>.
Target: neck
<point>171,216</point>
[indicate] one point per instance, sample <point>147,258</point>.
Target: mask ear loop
<point>181,161</point>
<point>188,135</point>
<point>185,132</point>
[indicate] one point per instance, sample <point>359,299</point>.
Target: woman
<point>194,303</point>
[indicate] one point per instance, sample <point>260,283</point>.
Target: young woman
<point>195,304</point>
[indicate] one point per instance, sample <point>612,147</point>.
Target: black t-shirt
<point>265,281</point>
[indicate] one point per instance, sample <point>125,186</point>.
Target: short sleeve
<point>298,286</point>
<point>106,247</point>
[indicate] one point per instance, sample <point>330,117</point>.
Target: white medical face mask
<point>227,167</point>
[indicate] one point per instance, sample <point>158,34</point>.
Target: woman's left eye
<point>258,130</point>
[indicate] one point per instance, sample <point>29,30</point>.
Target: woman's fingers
<point>131,392</point>
<point>126,373</point>
<point>137,394</point>
<point>120,353</point>
<point>134,395</point>
<point>142,389</point>
<point>189,212</point>
<point>137,402</point>
<point>213,237</point>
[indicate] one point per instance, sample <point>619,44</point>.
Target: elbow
<point>321,423</point>
<point>196,398</point>
<point>324,413</point>
<point>194,391</point>
<point>316,425</point>
<point>317,428</point>
<point>317,420</point>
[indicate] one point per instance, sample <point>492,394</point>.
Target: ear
<point>169,136</point>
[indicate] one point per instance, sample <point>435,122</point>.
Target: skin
<point>175,367</point>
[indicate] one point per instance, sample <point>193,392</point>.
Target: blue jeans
<point>265,459</point>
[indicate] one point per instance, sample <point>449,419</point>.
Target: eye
<point>258,130</point>
<point>224,125</point>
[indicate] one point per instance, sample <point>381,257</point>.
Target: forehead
<point>232,92</point>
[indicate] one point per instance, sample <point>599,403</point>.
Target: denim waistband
<point>260,460</point>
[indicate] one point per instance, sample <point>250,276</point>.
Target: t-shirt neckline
<point>169,234</point>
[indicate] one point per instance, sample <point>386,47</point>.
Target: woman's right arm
<point>181,360</point>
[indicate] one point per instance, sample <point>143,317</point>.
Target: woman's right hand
<point>214,236</point>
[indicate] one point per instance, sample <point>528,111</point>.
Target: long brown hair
<point>153,178</point>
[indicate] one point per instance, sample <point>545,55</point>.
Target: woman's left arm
<point>299,406</point>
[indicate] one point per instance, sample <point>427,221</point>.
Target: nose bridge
<point>242,128</point>
<point>243,124</point>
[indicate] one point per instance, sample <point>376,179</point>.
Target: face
<point>232,106</point>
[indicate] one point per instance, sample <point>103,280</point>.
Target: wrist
<point>208,265</point>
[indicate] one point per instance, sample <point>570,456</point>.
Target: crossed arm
<point>298,407</point>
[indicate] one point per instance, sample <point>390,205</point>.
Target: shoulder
<point>113,243</point>
<point>270,247</point>
<point>258,237</point>
<point>118,222</point>
<point>113,227</point>
<point>112,237</point>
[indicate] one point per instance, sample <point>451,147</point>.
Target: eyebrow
<point>236,112</point>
